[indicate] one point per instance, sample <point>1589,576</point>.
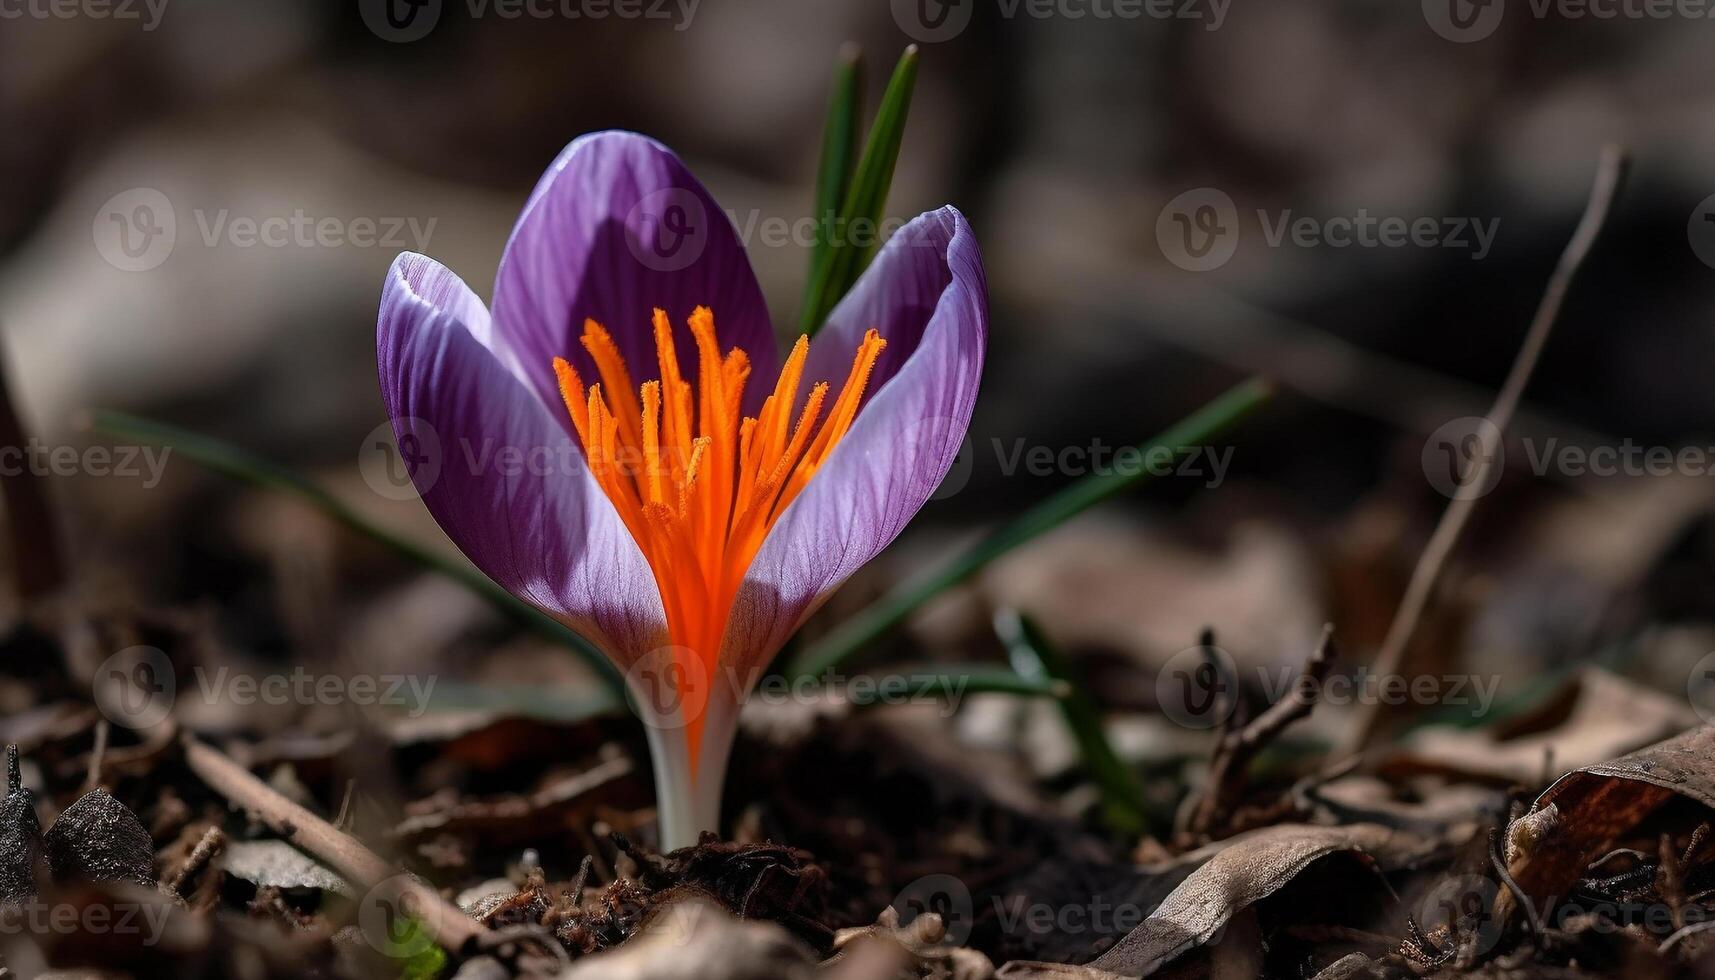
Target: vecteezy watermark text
<point>1464,21</point>
<point>932,21</point>
<point>402,467</point>
<point>138,688</point>
<point>38,918</point>
<point>1455,453</point>
<point>125,462</point>
<point>147,13</point>
<point>1198,687</point>
<point>1201,229</point>
<point>403,21</point>
<point>137,230</point>
<point>671,687</point>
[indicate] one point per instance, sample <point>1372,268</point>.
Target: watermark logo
<point>945,896</point>
<point>668,687</point>
<point>145,463</point>
<point>147,920</point>
<point>404,466</point>
<point>393,918</point>
<point>136,229</point>
<point>400,21</point>
<point>1462,906</point>
<point>136,687</point>
<point>146,12</point>
<point>668,229</point>
<point>1464,21</point>
<point>1700,231</point>
<point>1455,453</point>
<point>403,21</point>
<point>929,436</point>
<point>1198,687</point>
<point>1454,456</point>
<point>933,21</point>
<point>1700,688</point>
<point>1199,230</point>
<point>675,923</point>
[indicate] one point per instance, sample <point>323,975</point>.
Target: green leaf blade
<point>836,268</point>
<point>1124,802</point>
<point>1196,429</point>
<point>246,467</point>
<point>840,138</point>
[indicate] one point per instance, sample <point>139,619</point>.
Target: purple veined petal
<point>896,295</point>
<point>903,442</point>
<point>503,478</point>
<point>615,228</point>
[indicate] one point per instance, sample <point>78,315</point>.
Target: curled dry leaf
<point>1596,716</point>
<point>698,940</point>
<point>920,945</point>
<point>1246,870</point>
<point>1579,817</point>
<point>20,838</point>
<point>98,838</point>
<point>1026,970</point>
<point>277,864</point>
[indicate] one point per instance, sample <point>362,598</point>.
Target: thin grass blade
<point>1194,431</point>
<point>247,467</point>
<point>1124,803</point>
<point>841,135</point>
<point>853,243</point>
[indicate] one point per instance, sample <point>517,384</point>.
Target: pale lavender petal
<point>896,295</point>
<point>615,228</point>
<point>499,473</point>
<point>905,438</point>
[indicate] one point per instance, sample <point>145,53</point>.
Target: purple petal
<point>927,295</point>
<point>500,474</point>
<point>615,228</point>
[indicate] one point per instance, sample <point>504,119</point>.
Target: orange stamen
<point>698,485</point>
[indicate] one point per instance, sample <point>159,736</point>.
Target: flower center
<point>699,487</point>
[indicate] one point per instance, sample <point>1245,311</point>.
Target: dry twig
<point>449,926</point>
<point>1427,574</point>
<point>1228,768</point>
<point>210,844</point>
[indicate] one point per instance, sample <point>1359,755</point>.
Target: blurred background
<point>1098,147</point>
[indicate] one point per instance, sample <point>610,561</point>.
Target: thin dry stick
<point>92,776</point>
<point>1227,770</point>
<point>451,928</point>
<point>1425,576</point>
<point>211,842</point>
<point>345,806</point>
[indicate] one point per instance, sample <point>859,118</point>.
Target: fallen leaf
<point>1596,716</point>
<point>277,864</point>
<point>1246,870</point>
<point>697,940</point>
<point>1575,820</point>
<point>99,839</point>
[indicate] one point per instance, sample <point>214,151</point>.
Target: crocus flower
<point>622,445</point>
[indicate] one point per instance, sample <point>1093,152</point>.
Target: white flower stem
<point>675,796</point>
<point>686,806</point>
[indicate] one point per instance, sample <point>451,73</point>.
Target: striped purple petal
<point>616,228</point>
<point>927,296</point>
<point>499,471</point>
